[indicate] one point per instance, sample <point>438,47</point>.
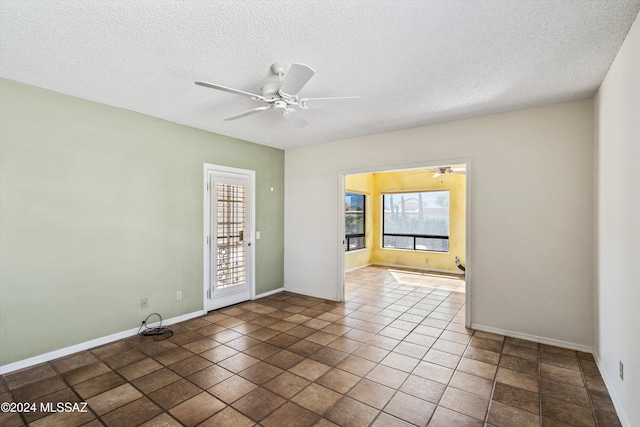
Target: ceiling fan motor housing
<point>270,89</point>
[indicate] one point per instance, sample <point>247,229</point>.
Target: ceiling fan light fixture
<point>282,94</point>
<point>294,116</point>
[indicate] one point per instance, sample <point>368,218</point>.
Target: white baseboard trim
<point>310,294</point>
<point>434,270</point>
<point>184,317</point>
<point>358,268</point>
<point>266,294</point>
<point>624,420</point>
<point>534,338</point>
<point>21,364</point>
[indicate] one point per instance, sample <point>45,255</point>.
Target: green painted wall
<point>100,207</point>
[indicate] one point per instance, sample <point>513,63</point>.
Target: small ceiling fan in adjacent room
<point>442,170</point>
<point>282,94</point>
<point>448,169</point>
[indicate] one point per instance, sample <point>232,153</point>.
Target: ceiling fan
<point>441,170</point>
<point>282,94</point>
<point>448,169</point>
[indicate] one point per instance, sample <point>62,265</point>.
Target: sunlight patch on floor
<point>429,280</point>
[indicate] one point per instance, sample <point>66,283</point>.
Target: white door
<point>229,231</point>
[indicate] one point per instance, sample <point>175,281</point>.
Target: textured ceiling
<point>412,62</point>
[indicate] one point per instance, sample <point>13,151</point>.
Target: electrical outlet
<point>178,295</point>
<point>144,303</point>
<point>621,370</point>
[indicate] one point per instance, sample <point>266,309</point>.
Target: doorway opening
<point>411,218</point>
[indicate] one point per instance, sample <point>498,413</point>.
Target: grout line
<point>539,361</point>
<point>394,295</point>
<point>586,387</point>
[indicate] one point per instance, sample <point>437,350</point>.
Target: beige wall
<point>617,287</point>
<point>531,188</point>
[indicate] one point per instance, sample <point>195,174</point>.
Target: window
<point>416,221</point>
<point>354,215</point>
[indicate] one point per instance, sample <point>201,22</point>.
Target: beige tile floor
<point>396,353</point>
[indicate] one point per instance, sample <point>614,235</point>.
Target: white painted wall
<point>617,287</point>
<point>531,229</point>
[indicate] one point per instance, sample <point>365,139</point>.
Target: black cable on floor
<point>158,332</point>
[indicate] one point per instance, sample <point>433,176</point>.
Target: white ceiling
<point>413,63</point>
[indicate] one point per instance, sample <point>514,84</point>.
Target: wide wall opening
<point>412,222</point>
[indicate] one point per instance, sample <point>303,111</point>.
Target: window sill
<point>416,251</point>
<point>356,250</point>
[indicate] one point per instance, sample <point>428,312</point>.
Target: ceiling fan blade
<point>230,90</point>
<point>295,79</point>
<point>248,113</point>
<point>307,103</point>
<point>294,117</point>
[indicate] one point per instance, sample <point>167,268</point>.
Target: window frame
<point>348,237</point>
<point>411,235</point>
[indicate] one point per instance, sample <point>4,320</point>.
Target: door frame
<point>391,168</point>
<point>207,243</point>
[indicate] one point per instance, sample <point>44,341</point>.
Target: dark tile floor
<point>396,353</point>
